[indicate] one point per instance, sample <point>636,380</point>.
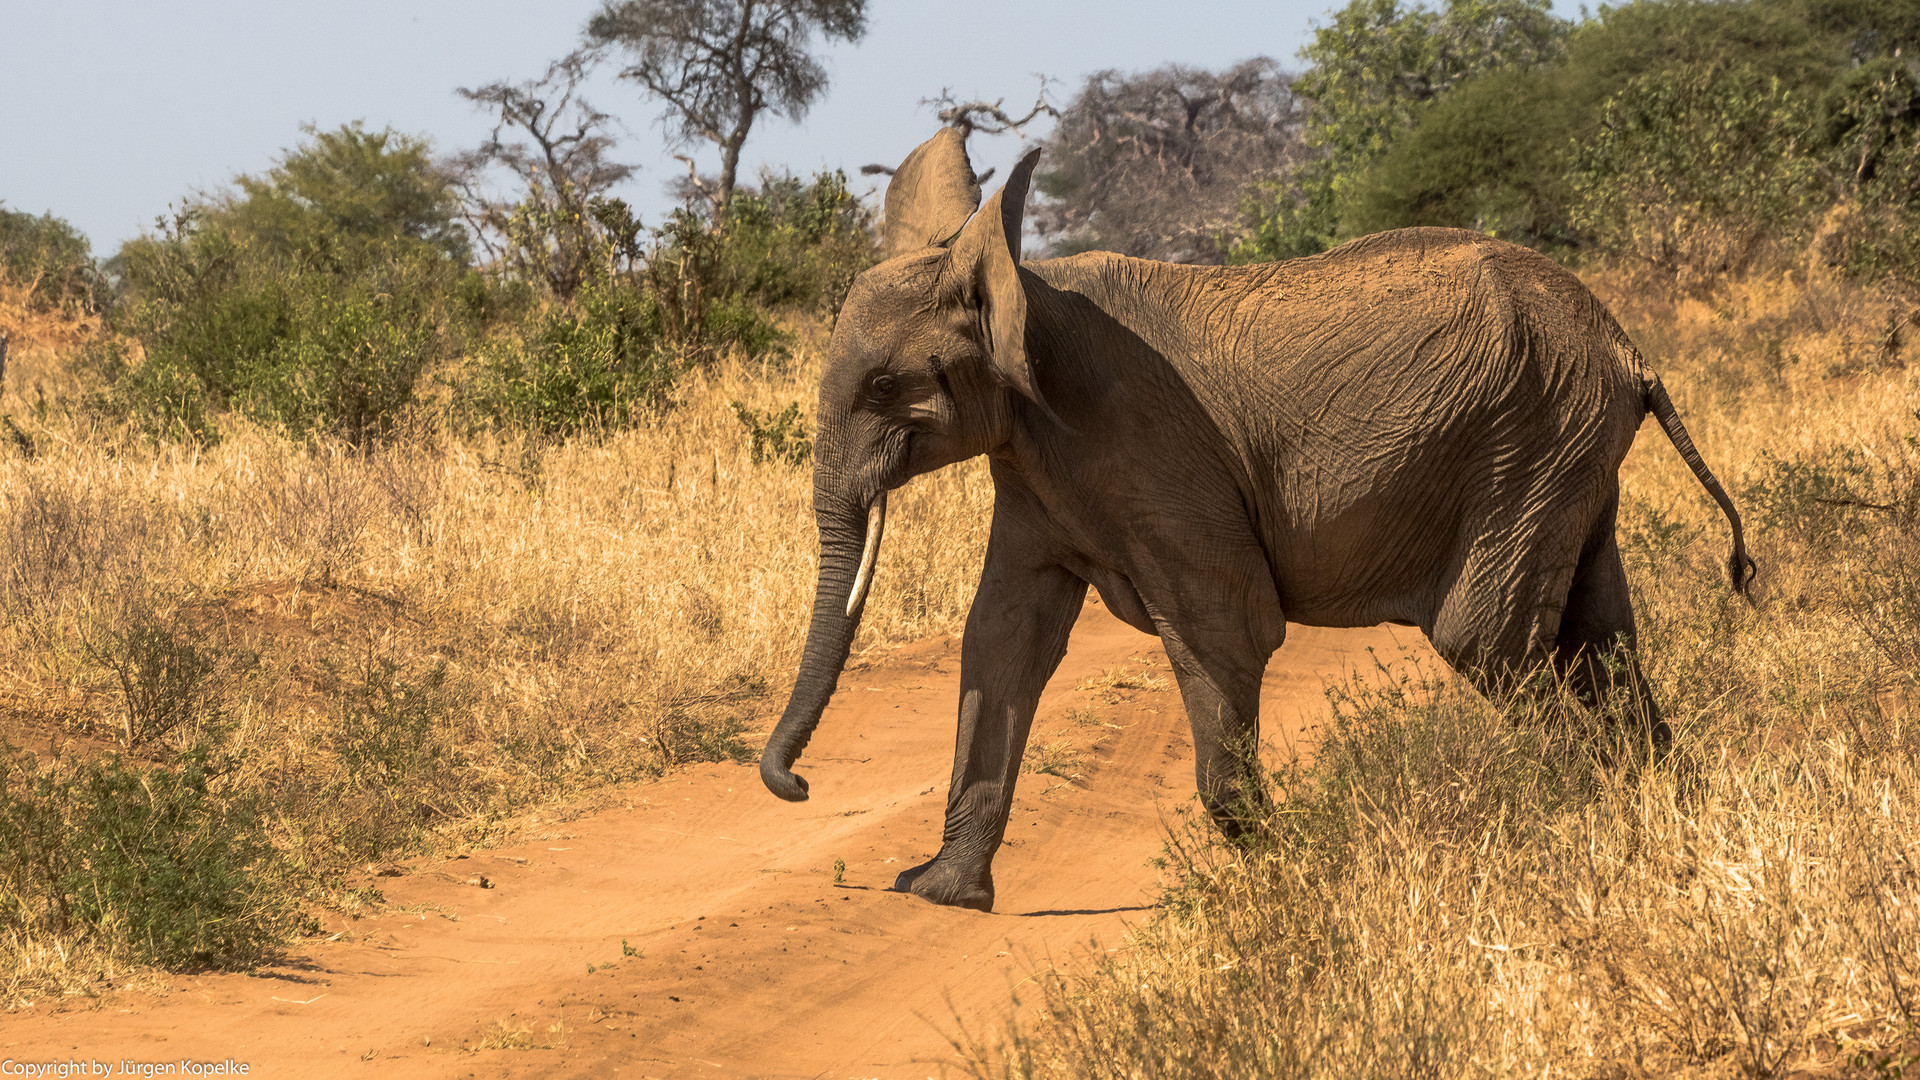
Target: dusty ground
<point>696,927</point>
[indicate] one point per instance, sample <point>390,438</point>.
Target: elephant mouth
<point>901,464</point>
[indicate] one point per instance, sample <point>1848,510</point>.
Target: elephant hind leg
<point>1567,614</point>
<point>1596,649</point>
<point>1496,625</point>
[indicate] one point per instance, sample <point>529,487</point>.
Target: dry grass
<point>1059,757</point>
<point>1121,683</point>
<point>507,1035</point>
<point>411,647</point>
<point>30,324</point>
<point>1449,892</point>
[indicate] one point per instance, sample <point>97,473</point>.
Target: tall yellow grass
<point>1449,891</point>
<point>570,615</point>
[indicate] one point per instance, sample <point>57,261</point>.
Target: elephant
<point>1418,427</point>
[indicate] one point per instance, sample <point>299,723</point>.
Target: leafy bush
<point>1870,121</point>
<point>315,299</point>
<point>1858,507</point>
<point>1691,170</point>
<point>1487,156</point>
<point>346,197</point>
<point>154,862</point>
<point>400,774</point>
<point>774,436</point>
<point>317,296</point>
<point>1679,133</point>
<point>736,322</point>
<point>171,674</point>
<point>313,351</point>
<point>1823,500</point>
<point>161,401</point>
<point>52,257</point>
<point>701,283</point>
<point>1776,38</point>
<point>1375,68</point>
<point>391,723</point>
<point>794,243</point>
<point>599,363</point>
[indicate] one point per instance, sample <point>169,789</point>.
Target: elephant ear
<point>930,196</point>
<point>986,260</point>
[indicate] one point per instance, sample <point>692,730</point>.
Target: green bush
<point>795,244</point>
<point>172,675</point>
<point>392,723</point>
<point>599,363</point>
<point>1683,133</point>
<point>608,356</point>
<point>154,862</point>
<point>393,732</point>
<point>313,351</point>
<point>1823,500</point>
<point>1691,170</point>
<point>161,401</point>
<point>315,298</point>
<point>1776,38</point>
<point>346,197</point>
<point>694,272</point>
<point>1488,156</point>
<point>1870,123</point>
<point>736,322</point>
<point>53,258</point>
<point>772,436</point>
<point>1376,69</point>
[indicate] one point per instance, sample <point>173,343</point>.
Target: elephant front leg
<point>1016,634</point>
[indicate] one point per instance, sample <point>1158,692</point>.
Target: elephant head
<point>927,365</point>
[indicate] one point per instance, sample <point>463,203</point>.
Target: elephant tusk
<point>876,524</point>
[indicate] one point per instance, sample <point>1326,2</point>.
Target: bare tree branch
<point>1154,164</point>
<point>556,145</point>
<point>989,117</point>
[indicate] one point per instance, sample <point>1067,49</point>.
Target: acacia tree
<point>1154,165</point>
<point>717,65</point>
<point>557,145</point>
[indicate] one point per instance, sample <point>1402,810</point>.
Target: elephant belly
<point>1376,560</point>
<point>1118,594</point>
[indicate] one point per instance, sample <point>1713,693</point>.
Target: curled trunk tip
<point>783,781</point>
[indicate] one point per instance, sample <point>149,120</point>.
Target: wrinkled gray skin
<point>1419,427</point>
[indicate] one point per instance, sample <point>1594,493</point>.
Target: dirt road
<point>702,929</point>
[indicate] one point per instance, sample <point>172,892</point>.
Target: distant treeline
<point>329,294</point>
<point>1689,136</point>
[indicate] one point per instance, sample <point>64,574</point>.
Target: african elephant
<point>1421,427</point>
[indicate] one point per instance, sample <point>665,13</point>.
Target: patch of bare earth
<point>699,926</point>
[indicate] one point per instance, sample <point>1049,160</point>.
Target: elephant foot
<point>944,882</point>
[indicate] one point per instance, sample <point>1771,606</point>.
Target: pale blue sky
<point>112,109</point>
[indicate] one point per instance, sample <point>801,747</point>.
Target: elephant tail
<point>1740,567</point>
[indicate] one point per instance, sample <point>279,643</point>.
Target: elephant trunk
<point>847,554</point>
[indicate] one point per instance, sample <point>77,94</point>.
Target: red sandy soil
<point>744,956</point>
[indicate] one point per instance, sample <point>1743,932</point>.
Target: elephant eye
<point>882,387</point>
